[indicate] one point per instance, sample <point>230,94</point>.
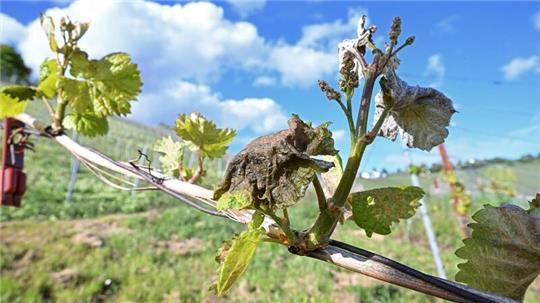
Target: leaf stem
<point>285,226</point>
<point>59,115</point>
<point>48,105</point>
<point>348,114</point>
<point>200,169</point>
<point>321,198</point>
<point>365,102</point>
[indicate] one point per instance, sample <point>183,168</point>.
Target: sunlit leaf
<point>236,256</point>
<point>235,200</point>
<point>171,155</point>
<point>10,107</point>
<point>48,78</point>
<point>19,92</point>
<point>376,210</point>
<point>204,134</point>
<point>503,254</point>
<point>47,24</point>
<point>87,123</point>
<point>114,81</point>
<point>76,93</point>
<point>420,114</point>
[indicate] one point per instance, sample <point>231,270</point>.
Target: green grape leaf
<point>114,81</point>
<point>234,200</point>
<point>235,257</point>
<point>204,134</point>
<point>10,107</point>
<point>376,210</point>
<point>47,24</point>
<point>503,253</point>
<point>76,93</point>
<point>81,66</point>
<point>257,220</point>
<point>48,78</point>
<point>87,123</point>
<point>19,92</point>
<point>172,155</point>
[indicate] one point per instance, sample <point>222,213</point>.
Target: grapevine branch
<point>340,254</point>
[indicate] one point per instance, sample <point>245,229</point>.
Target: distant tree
<point>13,68</point>
<point>435,168</point>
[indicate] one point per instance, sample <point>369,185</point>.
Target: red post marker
<point>12,178</point>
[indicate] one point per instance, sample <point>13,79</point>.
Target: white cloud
<point>193,41</point>
<point>329,34</point>
<point>244,8</point>
<point>264,81</point>
<point>536,21</point>
<point>302,66</point>
<point>447,25</point>
<point>11,31</point>
<point>518,66</point>
<point>261,115</point>
<point>436,69</point>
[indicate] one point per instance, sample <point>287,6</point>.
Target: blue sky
<point>250,64</point>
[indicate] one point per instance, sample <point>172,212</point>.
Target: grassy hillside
<point>111,246</point>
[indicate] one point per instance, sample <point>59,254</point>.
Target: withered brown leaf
<point>276,169</point>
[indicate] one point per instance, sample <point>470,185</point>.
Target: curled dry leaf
<point>420,114</point>
<point>276,169</point>
<point>356,48</point>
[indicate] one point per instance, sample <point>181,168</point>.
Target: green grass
<point>35,251</point>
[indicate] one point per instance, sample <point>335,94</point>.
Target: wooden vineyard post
<point>457,191</point>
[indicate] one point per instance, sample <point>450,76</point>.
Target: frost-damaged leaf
<point>48,77</point>
<point>76,93</point>
<point>87,123</point>
<point>534,206</point>
<point>47,24</point>
<point>114,81</point>
<point>204,134</point>
<point>420,114</point>
<point>79,30</point>
<point>235,256</point>
<point>19,92</point>
<point>10,107</point>
<point>276,169</point>
<point>503,254</point>
<point>377,209</point>
<point>172,155</point>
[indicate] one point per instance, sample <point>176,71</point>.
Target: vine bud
<point>330,93</point>
<point>395,30</point>
<point>409,40</point>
